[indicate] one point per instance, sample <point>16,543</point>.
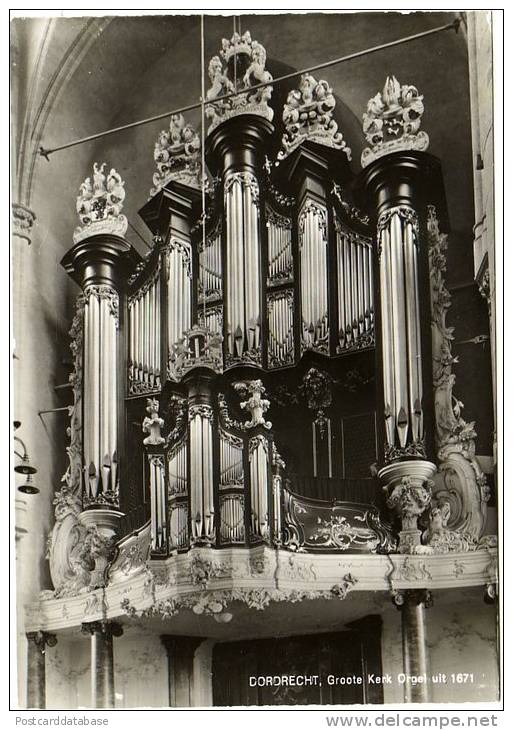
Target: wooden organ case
<point>233,378</point>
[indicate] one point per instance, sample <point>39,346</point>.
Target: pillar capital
<point>181,645</point>
<point>180,655</point>
<point>103,259</point>
<point>400,179</point>
<point>106,628</point>
<point>415,597</point>
<point>22,222</point>
<point>238,144</point>
<point>41,639</point>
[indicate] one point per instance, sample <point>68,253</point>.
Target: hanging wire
<point>295,74</point>
<point>203,169</point>
<point>235,56</point>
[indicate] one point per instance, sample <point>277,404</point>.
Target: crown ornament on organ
<point>177,154</point>
<point>308,115</point>
<point>239,65</point>
<point>99,205</point>
<point>392,121</point>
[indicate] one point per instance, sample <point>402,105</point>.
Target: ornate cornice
<point>287,577</point>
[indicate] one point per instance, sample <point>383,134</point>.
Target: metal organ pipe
<point>314,305</point>
<point>355,293</point>
<point>95,393</point>
<point>178,290</point>
<point>100,394</point>
<point>202,474</point>
<point>243,265</point>
<point>399,314</point>
<point>386,339</point>
<point>402,370</point>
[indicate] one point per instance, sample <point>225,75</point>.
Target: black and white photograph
<point>255,420</point>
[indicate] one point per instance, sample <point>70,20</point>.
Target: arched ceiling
<point>117,70</point>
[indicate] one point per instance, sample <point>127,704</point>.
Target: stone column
<point>412,605</point>
<point>102,661</point>
<point>180,655</point>
<point>36,674</point>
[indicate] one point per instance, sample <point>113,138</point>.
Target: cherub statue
<point>256,74</point>
<point>221,84</point>
<point>98,179</point>
<point>176,128</point>
<point>84,200</point>
<point>115,193</point>
<point>152,424</point>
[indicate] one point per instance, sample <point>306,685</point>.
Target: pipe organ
<point>202,473</point>
<point>280,308</point>
<point>158,501</point>
<point>355,295</point>
<point>259,482</point>
<point>400,311</point>
<point>279,248</point>
<point>313,239</point>
<point>100,395</point>
<point>144,324</point>
<point>210,275</point>
<point>243,264</point>
<point>179,289</point>
<point>266,275</point>
<point>178,459</point>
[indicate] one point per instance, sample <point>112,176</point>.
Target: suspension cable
<point>197,105</point>
<point>203,169</point>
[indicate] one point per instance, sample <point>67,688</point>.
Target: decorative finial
<point>99,205</point>
<point>392,121</point>
<point>228,76</point>
<point>177,154</point>
<point>255,404</point>
<point>308,114</point>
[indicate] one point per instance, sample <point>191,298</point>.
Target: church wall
<point>461,638</point>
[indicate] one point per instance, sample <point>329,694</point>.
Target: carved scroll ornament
<point>460,481</point>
